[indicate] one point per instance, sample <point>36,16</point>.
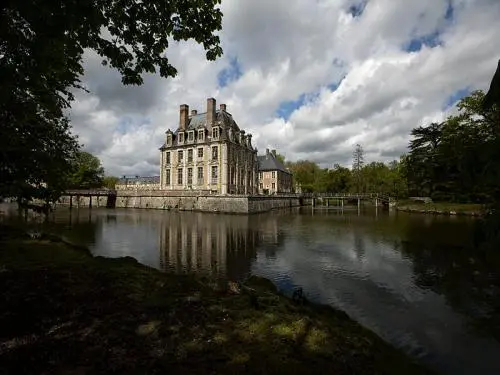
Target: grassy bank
<point>64,312</point>
<point>443,208</point>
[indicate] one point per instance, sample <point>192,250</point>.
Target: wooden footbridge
<point>109,193</point>
<point>339,199</point>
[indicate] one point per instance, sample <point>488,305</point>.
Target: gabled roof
<point>269,162</point>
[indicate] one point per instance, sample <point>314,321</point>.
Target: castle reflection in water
<point>223,246</point>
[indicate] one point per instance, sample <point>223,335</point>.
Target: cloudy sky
<point>310,78</point>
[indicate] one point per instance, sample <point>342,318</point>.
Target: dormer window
<point>169,140</point>
<point>181,137</point>
<point>201,135</point>
<point>215,133</point>
<point>191,136</point>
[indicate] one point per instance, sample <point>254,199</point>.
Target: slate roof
<point>199,121</point>
<point>269,163</point>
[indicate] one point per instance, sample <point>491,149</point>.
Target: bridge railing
<point>382,197</point>
<point>90,192</point>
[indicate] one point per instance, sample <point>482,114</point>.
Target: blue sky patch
<point>229,74</point>
<point>456,96</point>
<point>357,9</point>
<point>334,86</point>
<point>416,44</point>
<point>450,12</point>
<point>285,109</point>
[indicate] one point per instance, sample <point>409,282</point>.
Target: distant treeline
<point>457,160</point>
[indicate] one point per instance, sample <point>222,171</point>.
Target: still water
<point>413,279</point>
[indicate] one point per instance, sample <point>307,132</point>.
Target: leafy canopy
<point>87,172</point>
<point>458,160</point>
<point>41,48</point>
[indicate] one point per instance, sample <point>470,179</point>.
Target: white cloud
<point>287,48</point>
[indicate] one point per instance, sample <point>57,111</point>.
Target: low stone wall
<point>211,203</point>
<point>263,204</point>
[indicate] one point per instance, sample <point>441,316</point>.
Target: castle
<point>207,154</point>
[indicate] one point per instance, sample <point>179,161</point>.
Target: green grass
<point>441,207</point>
<point>62,311</point>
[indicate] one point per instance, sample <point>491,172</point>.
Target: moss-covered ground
<point>65,312</point>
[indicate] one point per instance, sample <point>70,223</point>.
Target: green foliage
<point>41,49</point>
<point>87,172</point>
<point>110,182</point>
<point>281,158</point>
<point>457,160</point>
<point>375,177</point>
<point>308,174</point>
<point>358,160</point>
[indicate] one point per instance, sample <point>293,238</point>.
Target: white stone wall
<point>215,203</point>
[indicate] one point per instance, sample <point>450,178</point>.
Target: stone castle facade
<point>208,152</point>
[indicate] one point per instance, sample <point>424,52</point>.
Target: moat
<point>413,279</point>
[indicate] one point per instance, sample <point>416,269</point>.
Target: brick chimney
<point>223,107</point>
<point>267,153</point>
<point>194,112</point>
<point>210,111</point>
<point>183,116</point>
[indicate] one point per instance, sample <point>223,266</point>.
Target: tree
<point>307,174</point>
<point>87,172</point>
<point>338,179</point>
<point>458,160</point>
<point>357,166</point>
<point>281,158</point>
<point>110,182</point>
<point>41,49</point>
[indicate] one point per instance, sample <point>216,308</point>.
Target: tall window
<point>201,135</point>
<point>190,176</point>
<point>215,133</point>
<point>273,186</point>
<point>179,176</point>
<point>190,155</point>
<point>181,137</point>
<point>200,175</point>
<point>274,174</point>
<point>215,174</point>
<point>260,175</point>
<point>200,153</point>
<point>167,158</point>
<point>215,152</point>
<point>169,140</point>
<point>180,155</point>
<point>191,136</point>
<point>167,176</point>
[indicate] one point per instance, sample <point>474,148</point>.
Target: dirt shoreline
<point>63,311</point>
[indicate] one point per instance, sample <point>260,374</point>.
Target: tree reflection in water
<point>466,276</point>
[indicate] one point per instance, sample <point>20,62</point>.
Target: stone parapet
<point>189,201</point>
